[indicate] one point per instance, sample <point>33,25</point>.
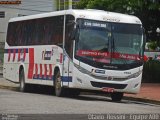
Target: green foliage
<point>123,6</point>
<point>147,10</point>
<point>82,4</point>
<point>152,45</point>
<point>151,72</point>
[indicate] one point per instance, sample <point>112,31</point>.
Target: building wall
<point>31,7</point>
<point>9,13</point>
<point>27,7</point>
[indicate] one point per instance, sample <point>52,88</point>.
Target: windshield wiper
<point>105,48</point>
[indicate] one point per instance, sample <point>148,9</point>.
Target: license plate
<point>106,89</point>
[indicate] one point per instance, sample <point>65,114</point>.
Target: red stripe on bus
<point>14,55</point>
<point>24,55</point>
<point>40,75</point>
<point>19,54</point>
<point>45,70</point>
<point>61,58</point>
<point>31,63</point>
<point>9,55</point>
<point>50,70</point>
<point>36,70</point>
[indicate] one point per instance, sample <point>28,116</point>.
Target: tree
<point>82,4</point>
<point>147,10</point>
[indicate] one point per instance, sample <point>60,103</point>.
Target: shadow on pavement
<point>48,90</point>
<point>40,89</point>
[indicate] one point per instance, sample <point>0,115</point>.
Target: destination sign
<point>95,24</point>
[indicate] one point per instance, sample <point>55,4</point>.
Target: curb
<point>142,100</point>
<point>9,87</point>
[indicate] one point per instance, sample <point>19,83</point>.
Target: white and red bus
<point>76,49</point>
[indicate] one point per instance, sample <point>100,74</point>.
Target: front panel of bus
<point>108,55</point>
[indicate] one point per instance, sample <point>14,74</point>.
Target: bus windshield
<point>109,43</point>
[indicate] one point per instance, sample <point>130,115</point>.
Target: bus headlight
<point>82,69</point>
<point>135,75</point>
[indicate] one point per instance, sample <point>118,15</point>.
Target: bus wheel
<point>22,81</point>
<point>117,96</point>
<point>59,90</point>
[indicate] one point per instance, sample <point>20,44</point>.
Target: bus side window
<point>15,34</point>
<point>57,35</point>
<point>47,31</point>
<point>9,33</point>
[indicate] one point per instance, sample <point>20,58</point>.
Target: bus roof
<point>86,14</point>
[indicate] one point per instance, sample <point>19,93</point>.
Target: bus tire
<point>117,96</point>
<point>59,90</point>
<point>22,87</point>
<point>73,92</point>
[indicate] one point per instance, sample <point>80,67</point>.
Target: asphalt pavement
<point>41,104</point>
<point>149,92</point>
<point>38,102</point>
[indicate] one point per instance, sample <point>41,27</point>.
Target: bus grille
<point>110,85</point>
<point>108,78</point>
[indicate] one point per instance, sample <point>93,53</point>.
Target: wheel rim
<point>58,83</point>
<point>22,81</point>
<point>58,86</point>
<point>21,85</point>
